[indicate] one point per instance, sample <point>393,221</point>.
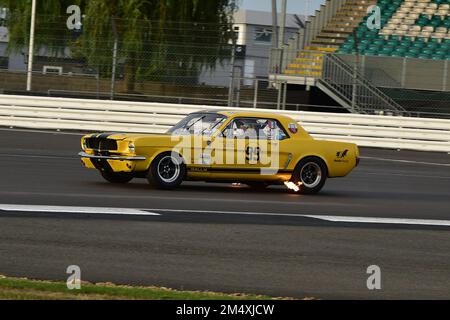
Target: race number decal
<point>253,154</point>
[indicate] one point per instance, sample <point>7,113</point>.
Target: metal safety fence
<point>97,115</point>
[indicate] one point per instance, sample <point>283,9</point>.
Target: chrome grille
<point>101,144</point>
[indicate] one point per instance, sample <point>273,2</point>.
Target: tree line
<point>157,39</point>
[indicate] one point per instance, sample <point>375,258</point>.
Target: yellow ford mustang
<point>255,148</point>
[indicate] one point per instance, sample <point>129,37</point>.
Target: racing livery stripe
<point>106,135</point>
<point>101,164</point>
<point>234,170</point>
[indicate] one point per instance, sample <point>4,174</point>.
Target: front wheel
<point>310,174</point>
<point>167,171</point>
<point>118,178</point>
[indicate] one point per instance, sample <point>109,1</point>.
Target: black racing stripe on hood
<point>106,135</point>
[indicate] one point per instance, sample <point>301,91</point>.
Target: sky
<point>294,6</point>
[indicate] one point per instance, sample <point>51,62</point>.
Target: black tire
<point>257,185</point>
<point>167,171</point>
<point>312,173</point>
<point>118,178</point>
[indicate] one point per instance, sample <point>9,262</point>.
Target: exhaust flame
<point>292,186</point>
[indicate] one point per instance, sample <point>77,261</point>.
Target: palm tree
<point>158,39</point>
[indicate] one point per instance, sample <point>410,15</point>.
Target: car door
<point>195,146</point>
<point>247,150</point>
<point>273,143</point>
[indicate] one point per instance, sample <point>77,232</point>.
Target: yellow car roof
<point>254,114</point>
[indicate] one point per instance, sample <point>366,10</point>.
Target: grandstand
<point>330,38</point>
<point>413,29</point>
<point>413,33</point>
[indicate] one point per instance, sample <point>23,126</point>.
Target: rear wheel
<point>310,174</point>
<point>114,177</point>
<point>167,171</point>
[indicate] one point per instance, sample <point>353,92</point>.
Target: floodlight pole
<point>355,72</point>
<point>281,34</point>
<point>274,52</point>
<point>114,59</point>
<point>282,23</point>
<point>31,45</point>
<point>232,73</point>
<point>274,24</point>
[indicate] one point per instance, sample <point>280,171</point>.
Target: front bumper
<point>110,163</point>
<point>117,158</point>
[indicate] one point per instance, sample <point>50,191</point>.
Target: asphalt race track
<point>224,238</point>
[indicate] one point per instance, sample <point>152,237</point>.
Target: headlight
<point>131,147</point>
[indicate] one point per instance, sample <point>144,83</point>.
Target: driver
<point>241,129</point>
<point>272,130</point>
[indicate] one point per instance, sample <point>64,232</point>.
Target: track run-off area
<point>393,211</point>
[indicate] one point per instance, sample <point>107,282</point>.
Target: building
<point>254,29</point>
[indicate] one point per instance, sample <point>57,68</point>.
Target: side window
<point>242,128</point>
<point>254,128</point>
<point>272,130</point>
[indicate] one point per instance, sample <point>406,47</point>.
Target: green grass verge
<point>25,289</point>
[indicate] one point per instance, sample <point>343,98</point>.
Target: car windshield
<point>198,124</point>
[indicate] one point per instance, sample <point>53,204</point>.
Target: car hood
<point>125,136</point>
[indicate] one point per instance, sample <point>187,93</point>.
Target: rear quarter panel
<point>340,157</point>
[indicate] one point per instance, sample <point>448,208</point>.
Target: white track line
<point>420,222</point>
<point>150,212</point>
<point>68,209</point>
<point>424,222</point>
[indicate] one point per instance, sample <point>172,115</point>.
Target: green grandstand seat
<point>435,40</point>
<point>398,38</point>
<point>407,39</point>
<point>378,42</point>
<point>437,57</point>
<point>387,50</point>
<point>400,50</point>
<point>441,52</point>
<point>413,51</point>
<point>424,56</point>
<point>392,43</point>
<point>372,42</point>
<point>419,45</point>
<point>404,45</point>
<point>371,52</point>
